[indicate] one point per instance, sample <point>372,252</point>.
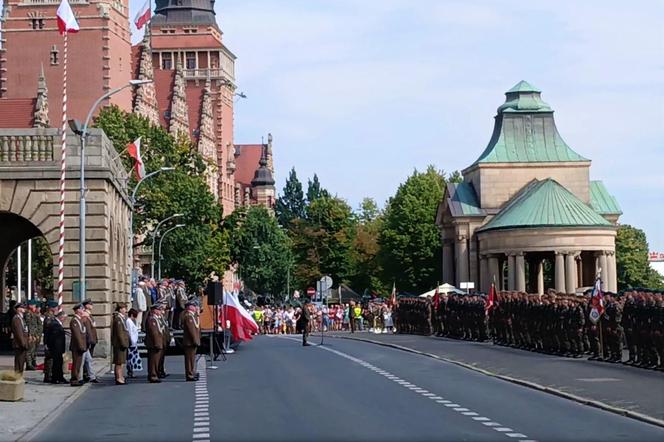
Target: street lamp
<point>177,226</point>
<point>155,232</point>
<point>82,132</point>
<point>131,223</point>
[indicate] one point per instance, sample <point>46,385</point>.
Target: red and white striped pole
<point>63,166</point>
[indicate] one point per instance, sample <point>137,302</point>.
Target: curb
<point>582,400</point>
<point>52,416</point>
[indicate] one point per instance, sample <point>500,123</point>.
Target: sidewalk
<point>39,402</point>
<point>628,390</point>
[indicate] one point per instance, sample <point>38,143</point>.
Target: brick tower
<point>99,55</point>
<point>194,85</point>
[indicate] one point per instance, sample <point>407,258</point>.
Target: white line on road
<point>201,425</point>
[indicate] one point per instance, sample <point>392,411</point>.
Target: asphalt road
<point>273,389</point>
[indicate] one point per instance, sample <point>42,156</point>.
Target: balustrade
<point>26,148</point>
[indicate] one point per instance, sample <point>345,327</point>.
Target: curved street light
<point>82,132</point>
<point>155,232</point>
<point>177,226</point>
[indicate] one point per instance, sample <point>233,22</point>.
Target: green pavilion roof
<point>463,201</point>
<point>545,204</point>
<point>602,201</point>
<point>525,131</point>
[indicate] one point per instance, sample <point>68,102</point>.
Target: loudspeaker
<point>215,293</point>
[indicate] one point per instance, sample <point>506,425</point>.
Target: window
<point>37,23</point>
<point>166,61</point>
<point>54,55</point>
<point>191,60</point>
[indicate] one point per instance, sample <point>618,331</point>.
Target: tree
<point>261,248</point>
<point>632,260</point>
<point>201,247</point>
<point>409,239</point>
<point>315,191</point>
<point>290,205</point>
<point>366,270</point>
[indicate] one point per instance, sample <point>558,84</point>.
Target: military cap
<point>88,302</point>
<point>77,307</point>
<point>191,303</point>
<point>33,302</point>
<point>52,304</point>
<point>20,305</point>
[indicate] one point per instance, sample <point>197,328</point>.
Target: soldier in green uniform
<point>35,331</point>
<point>49,317</point>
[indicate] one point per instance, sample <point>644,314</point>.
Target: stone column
<point>494,271</point>
<point>484,274</point>
<point>511,263</point>
<point>560,272</point>
<point>462,260</point>
<point>579,270</point>
<point>570,272</point>
<point>612,277</point>
<point>520,273</point>
<point>603,264</point>
<point>448,262</point>
<point>540,277</point>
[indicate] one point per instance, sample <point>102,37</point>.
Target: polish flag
<point>66,19</point>
<point>134,150</point>
<point>143,16</point>
<point>242,324</point>
<point>597,297</point>
<point>491,303</point>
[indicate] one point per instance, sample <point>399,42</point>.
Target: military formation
<point>553,323</point>
<point>166,306</point>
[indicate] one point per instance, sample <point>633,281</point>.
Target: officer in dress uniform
<point>165,309</point>
<point>154,342</point>
<point>120,342</point>
<point>191,340</point>
<point>78,345</point>
<point>49,317</point>
<point>91,327</point>
<point>20,337</point>
<point>57,347</point>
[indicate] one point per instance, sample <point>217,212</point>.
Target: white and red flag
<point>134,150</point>
<point>143,15</point>
<point>393,296</point>
<point>66,20</point>
<point>597,298</point>
<point>241,323</point>
<point>491,302</point>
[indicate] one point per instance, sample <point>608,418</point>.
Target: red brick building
<point>193,75</point>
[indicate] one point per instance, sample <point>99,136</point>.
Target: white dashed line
<point>426,394</point>
<point>201,426</point>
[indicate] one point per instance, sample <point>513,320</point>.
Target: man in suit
<point>78,345</point>
<point>56,347</point>
<point>120,342</point>
<point>191,340</point>
<point>20,338</point>
<point>49,317</point>
<point>91,326</point>
<point>154,342</point>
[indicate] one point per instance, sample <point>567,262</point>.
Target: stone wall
<point>29,188</point>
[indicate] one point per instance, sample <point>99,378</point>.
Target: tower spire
<point>145,97</point>
<point>40,117</point>
<point>179,109</point>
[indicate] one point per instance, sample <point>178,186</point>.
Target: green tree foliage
<point>315,191</point>
<point>366,270</point>
<point>410,240</point>
<point>290,205</point>
<point>201,247</point>
<point>261,248</point>
<point>632,260</point>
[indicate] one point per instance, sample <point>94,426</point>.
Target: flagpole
<point>61,252</point>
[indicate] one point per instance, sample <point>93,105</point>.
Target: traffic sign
<point>311,291</point>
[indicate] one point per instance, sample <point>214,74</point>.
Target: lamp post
<point>131,223</point>
<point>155,232</point>
<point>82,132</point>
<point>177,226</point>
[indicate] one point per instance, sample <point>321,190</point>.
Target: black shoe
<point>29,368</point>
<point>306,344</point>
<point>120,383</point>
<point>95,381</point>
<point>197,376</point>
<point>76,384</point>
<point>155,381</point>
<point>163,375</point>
<point>191,379</point>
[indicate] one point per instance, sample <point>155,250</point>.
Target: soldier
<point>20,338</point>
<point>91,327</point>
<point>78,344</point>
<point>49,317</point>
<point>161,370</point>
<point>35,331</point>
<point>191,339</point>
<point>154,342</point>
<point>56,347</point>
<point>629,325</point>
<point>120,342</point>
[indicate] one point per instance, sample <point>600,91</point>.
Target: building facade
<point>527,215</point>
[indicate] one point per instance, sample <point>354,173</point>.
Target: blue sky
<point>363,92</point>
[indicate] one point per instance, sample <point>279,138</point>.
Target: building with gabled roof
<point>527,215</point>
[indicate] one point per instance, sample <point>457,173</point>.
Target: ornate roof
<point>263,175</point>
<point>194,12</point>
<point>462,200</point>
<point>602,201</point>
<point>545,204</point>
<point>525,131</point>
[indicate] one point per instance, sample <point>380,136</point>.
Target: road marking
<point>426,394</point>
<point>598,380</point>
<point>201,424</point>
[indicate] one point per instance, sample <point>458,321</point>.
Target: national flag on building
<point>242,325</point>
<point>491,302</point>
<point>66,19</point>
<point>134,150</point>
<point>143,15</point>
